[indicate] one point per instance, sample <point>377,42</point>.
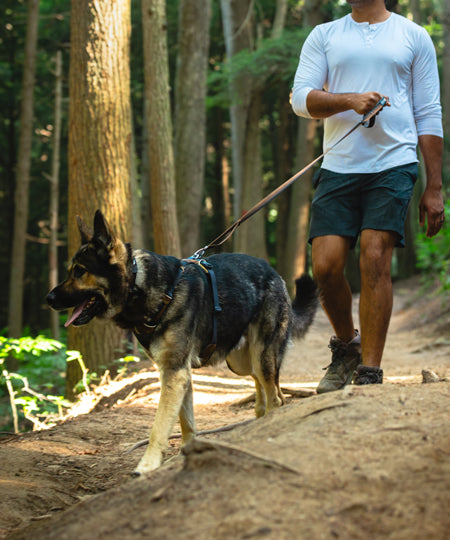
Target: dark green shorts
<point>345,204</point>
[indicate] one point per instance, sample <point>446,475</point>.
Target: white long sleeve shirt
<point>395,58</point>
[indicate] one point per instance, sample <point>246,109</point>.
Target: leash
<point>367,121</point>
<point>144,331</point>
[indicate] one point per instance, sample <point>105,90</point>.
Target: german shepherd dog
<point>187,314</point>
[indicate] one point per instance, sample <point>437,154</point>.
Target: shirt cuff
<point>430,125</point>
<point>298,101</point>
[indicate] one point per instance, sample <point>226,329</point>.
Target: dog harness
<point>144,331</point>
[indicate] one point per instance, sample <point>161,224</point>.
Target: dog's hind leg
<point>174,384</point>
<point>187,420</point>
<point>260,399</point>
<point>265,374</point>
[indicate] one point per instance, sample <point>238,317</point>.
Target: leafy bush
<point>39,385</point>
<point>433,254</point>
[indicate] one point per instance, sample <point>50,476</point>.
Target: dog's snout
<point>51,298</point>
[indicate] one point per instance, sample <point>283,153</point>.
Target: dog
<point>187,314</point>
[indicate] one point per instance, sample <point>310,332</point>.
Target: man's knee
<point>376,256</point>
<point>329,256</point>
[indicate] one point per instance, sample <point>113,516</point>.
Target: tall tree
<point>15,315</point>
<point>99,148</point>
<point>54,193</point>
<point>190,118</point>
<point>238,31</point>
<point>295,261</point>
<point>159,125</point>
<point>245,112</point>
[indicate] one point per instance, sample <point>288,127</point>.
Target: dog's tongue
<point>75,313</point>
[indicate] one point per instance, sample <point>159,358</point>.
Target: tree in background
<point>159,125</point>
<point>99,149</point>
<point>190,118</point>
<point>245,114</point>
<point>294,223</point>
<point>15,318</point>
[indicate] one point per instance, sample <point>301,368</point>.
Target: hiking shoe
<point>368,375</point>
<point>344,360</point>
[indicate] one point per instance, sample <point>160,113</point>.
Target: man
<point>365,184</point>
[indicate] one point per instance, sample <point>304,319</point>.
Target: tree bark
<point>414,6</point>
<point>237,25</point>
<point>162,169</point>
<point>245,112</point>
<point>299,207</point>
<point>15,314</point>
<point>54,194</point>
<point>298,223</point>
<point>251,237</point>
<point>99,150</point>
<point>190,118</point>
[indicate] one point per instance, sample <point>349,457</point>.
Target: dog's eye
<point>78,271</point>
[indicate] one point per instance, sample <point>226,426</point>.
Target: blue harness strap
<point>208,269</point>
<point>144,331</point>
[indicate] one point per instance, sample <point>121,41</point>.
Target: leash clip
<point>368,120</point>
<point>198,254</point>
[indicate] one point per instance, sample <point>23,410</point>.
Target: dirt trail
<point>365,462</point>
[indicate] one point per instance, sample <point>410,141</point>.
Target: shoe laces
<point>338,349</point>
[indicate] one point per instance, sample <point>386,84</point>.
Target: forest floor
<point>361,463</point>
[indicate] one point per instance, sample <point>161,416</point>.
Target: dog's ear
<point>85,232</point>
<point>103,232</point>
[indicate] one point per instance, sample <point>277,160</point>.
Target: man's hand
<point>431,205</point>
<point>431,209</point>
<point>364,103</point>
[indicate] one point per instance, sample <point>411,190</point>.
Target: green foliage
<point>433,254</point>
<point>38,386</point>
<point>274,60</point>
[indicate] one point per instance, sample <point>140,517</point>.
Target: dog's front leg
<point>174,383</point>
<point>187,420</point>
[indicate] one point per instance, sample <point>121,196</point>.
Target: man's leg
<point>329,254</point>
<point>376,293</point>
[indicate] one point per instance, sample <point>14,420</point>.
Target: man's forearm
<point>431,148</point>
<point>323,104</point>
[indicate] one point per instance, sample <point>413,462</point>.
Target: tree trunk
<point>245,113</point>
<point>162,170</point>
<point>414,6</point>
<point>251,236</point>
<point>54,194</point>
<point>15,315</point>
<point>99,150</point>
<point>299,207</point>
<point>190,118</point>
<point>146,204</point>
<point>237,26</point>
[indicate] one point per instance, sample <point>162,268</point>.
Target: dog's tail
<point>304,305</point>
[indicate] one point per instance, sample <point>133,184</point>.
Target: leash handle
<point>368,120</point>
